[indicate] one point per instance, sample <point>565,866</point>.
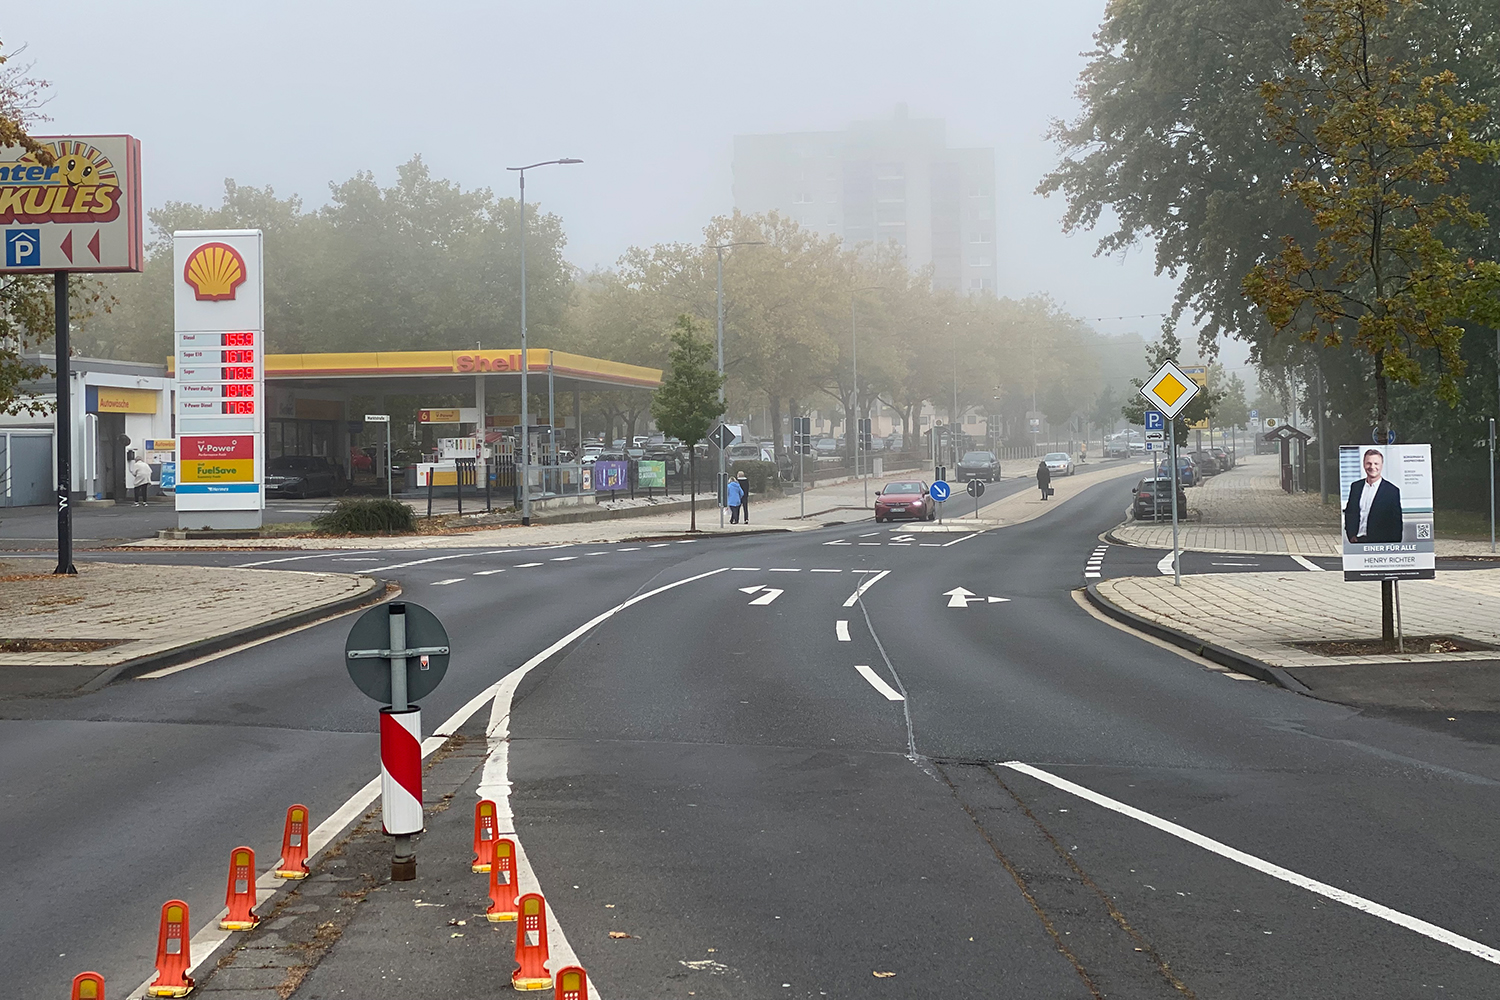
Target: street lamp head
<point>544,163</point>
<point>568,159</point>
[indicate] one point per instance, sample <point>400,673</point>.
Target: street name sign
<point>1170,390</point>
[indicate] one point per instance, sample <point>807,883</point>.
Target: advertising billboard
<point>219,303</point>
<point>80,213</point>
<point>1387,512</point>
<point>611,476</point>
<point>651,474</point>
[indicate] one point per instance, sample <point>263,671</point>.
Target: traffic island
<point>1317,634</point>
<point>73,634</point>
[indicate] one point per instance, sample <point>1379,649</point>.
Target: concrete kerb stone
<point>1213,652</point>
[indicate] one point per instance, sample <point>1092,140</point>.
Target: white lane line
<point>633,548</point>
<point>901,545</point>
<point>690,541</point>
<point>444,583</point>
<point>961,538</point>
<point>859,591</point>
<point>596,553</point>
<point>744,569</point>
<point>1164,567</point>
<point>891,694</point>
<point>525,565</point>
<point>931,545</point>
<point>869,543</point>
<point>837,541</point>
<point>825,571</point>
<point>871,534</point>
<point>841,629</point>
<point>783,569</point>
<point>419,562</point>
<point>659,545</point>
<point>563,558</point>
<point>320,555</point>
<point>489,572</point>
<point>1233,564</point>
<point>1307,563</point>
<point>1439,934</point>
<point>358,559</point>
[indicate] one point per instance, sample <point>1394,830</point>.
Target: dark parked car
<point>301,476</point>
<point>906,499</point>
<point>979,465</point>
<point>1153,499</point>
<point>1206,464</point>
<point>1226,460</point>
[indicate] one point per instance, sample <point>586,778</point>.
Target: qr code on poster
<point>1424,530</point>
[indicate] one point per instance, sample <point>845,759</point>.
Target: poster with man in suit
<point>1387,514</point>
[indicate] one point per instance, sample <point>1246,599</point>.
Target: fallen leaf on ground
<point>618,934</point>
<point>883,975</point>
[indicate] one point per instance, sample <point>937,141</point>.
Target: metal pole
<point>551,411</point>
<point>719,305</point>
<point>64,424</point>
<point>854,374</point>
<point>525,437</point>
<point>801,478</point>
<point>1323,491</point>
<point>1400,633</point>
<point>1172,451</point>
<point>387,459</point>
<point>402,855</point>
<point>1492,484</point>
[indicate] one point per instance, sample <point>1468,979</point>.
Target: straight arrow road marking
<point>996,600</point>
<point>770,595</point>
<point>877,683</point>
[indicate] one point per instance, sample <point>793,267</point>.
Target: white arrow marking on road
<point>841,629</point>
<point>1165,566</point>
<point>750,590</point>
<point>958,597</point>
<point>838,541</point>
<point>997,600</point>
<point>770,595</point>
<point>904,538</point>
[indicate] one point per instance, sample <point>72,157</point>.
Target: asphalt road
<point>715,763</point>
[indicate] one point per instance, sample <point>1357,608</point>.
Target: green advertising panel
<point>651,474</point>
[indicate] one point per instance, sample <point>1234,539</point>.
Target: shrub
<point>366,516</point>
<point>760,475</point>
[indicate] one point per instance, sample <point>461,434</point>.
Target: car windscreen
<point>977,458</point>
<point>1056,456</point>
<point>904,488</point>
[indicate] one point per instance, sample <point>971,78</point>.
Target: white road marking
<point>841,629</point>
<point>901,545</point>
<point>838,541</point>
<point>1092,576</point>
<point>751,590</point>
<point>891,694</point>
<point>690,541</point>
<point>960,538</point>
<point>633,548</point>
<point>320,555</point>
<point>784,570</point>
<point>1307,563</point>
<point>825,571</point>
<point>744,569</point>
<point>1439,934</point>
<point>419,562</point>
<point>526,565</point>
<point>596,553</point>
<point>444,583</point>
<point>770,595</point>
<point>489,572</point>
<point>563,558</point>
<point>931,545</point>
<point>1233,564</point>
<point>869,543</point>
<point>870,534</point>
<point>860,590</point>
<point>658,545</point>
<point>358,559</point>
<point>1164,566</point>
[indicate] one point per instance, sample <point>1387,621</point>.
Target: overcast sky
<point>649,93</point>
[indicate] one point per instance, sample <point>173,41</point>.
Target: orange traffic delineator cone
<point>239,895</point>
<point>572,984</point>
<point>531,944</point>
<point>294,844</point>
<point>502,881</point>
<point>88,986</point>
<point>172,958</point>
<point>484,835</point>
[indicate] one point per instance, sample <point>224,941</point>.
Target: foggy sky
<point>650,94</point>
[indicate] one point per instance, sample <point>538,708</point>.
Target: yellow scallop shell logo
<point>214,270</point>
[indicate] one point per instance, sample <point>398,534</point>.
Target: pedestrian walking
<point>744,482</point>
<point>1043,478</point>
<point>137,477</point>
<point>735,496</point>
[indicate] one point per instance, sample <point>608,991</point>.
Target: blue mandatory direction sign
<point>1154,421</point>
<point>940,491</point>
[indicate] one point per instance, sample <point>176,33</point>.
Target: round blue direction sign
<point>939,491</point>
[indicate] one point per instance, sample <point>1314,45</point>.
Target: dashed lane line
<point>444,583</point>
<point>489,572</point>
<point>841,629</point>
<point>526,565</point>
<point>563,558</point>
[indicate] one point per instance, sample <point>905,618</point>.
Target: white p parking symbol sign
<point>23,248</point>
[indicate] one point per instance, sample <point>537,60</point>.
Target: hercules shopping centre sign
<point>220,343</point>
<point>79,213</point>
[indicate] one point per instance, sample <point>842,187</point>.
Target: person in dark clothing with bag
<point>744,482</point>
<point>1044,479</point>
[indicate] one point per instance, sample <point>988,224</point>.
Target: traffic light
<point>994,429</point>
<point>802,435</point>
<point>864,435</point>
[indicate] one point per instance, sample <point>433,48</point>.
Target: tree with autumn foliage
<point>1378,137</point>
<point>25,300</point>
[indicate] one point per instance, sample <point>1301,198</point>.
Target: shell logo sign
<point>80,185</point>
<point>215,271</point>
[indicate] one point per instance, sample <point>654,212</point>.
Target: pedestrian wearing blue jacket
<point>736,497</point>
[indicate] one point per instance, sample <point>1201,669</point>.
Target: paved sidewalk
<point>112,619</point>
<point>1245,510</point>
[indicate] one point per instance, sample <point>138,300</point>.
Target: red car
<point>904,499</point>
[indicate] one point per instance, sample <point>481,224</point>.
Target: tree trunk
<point>775,402</point>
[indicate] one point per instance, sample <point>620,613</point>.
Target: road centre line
<point>744,569</point>
<point>783,569</point>
<point>869,543</point>
<point>659,545</point>
<point>596,553</point>
<point>825,571</point>
<point>1307,563</point>
<point>318,555</point>
<point>563,558</point>
<point>841,629</point>
<point>444,583</point>
<point>633,548</point>
<point>489,572</point>
<point>890,693</point>
<point>1429,930</point>
<point>869,582</point>
<point>526,565</point>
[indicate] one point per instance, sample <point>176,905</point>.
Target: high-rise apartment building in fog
<point>888,180</point>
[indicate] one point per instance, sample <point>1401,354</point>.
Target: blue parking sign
<point>1254,414</point>
<point>23,248</point>
<point>1154,421</point>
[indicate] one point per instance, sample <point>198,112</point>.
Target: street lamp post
<point>525,437</point>
<point>720,248</point>
<point>859,469</point>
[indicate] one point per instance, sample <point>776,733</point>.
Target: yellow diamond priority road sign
<point>1170,389</point>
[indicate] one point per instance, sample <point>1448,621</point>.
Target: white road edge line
<point>1429,930</point>
<point>859,591</point>
<point>890,693</point>
<point>319,555</point>
<point>961,538</point>
<point>210,936</point>
<point>1307,563</point>
<point>841,629</point>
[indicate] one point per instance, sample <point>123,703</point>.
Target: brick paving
<point>1262,614</point>
<point>150,609</point>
